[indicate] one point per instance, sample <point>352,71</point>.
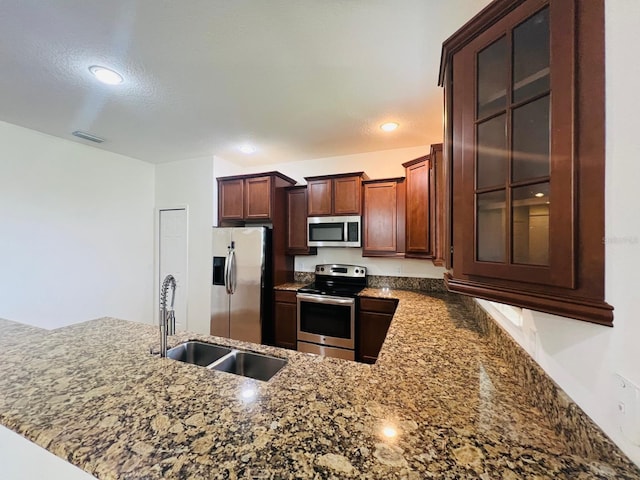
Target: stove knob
<point>322,269</point>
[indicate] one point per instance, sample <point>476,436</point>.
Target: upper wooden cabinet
<point>231,199</point>
<point>425,206</point>
<point>418,224</point>
<point>257,200</point>
<point>383,217</point>
<point>335,194</point>
<point>246,198</point>
<point>297,222</point>
<point>524,143</point>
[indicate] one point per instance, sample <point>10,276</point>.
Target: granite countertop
<point>439,403</point>
<point>291,286</point>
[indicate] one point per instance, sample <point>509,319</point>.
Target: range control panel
<point>339,270</point>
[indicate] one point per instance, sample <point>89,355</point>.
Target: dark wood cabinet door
<point>258,198</point>
<point>347,195</point>
<point>524,133</point>
<point>320,193</point>
<point>373,331</point>
<point>230,199</point>
<point>297,222</point>
<point>285,320</point>
<point>437,199</point>
<point>373,323</point>
<point>383,218</point>
<point>418,224</point>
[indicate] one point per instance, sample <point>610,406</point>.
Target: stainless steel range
<point>327,310</point>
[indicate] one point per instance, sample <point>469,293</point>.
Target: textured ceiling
<point>299,79</point>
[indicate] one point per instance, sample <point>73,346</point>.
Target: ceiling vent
<point>88,136</point>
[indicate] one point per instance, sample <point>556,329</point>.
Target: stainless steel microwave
<point>343,231</point>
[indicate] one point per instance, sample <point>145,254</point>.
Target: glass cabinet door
<point>512,145</point>
<point>524,150</point>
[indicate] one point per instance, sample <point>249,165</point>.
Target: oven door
<point>326,320</point>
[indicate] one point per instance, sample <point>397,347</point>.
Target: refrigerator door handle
<point>232,272</point>
<point>227,269</point>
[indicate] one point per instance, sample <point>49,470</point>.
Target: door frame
<point>156,266</point>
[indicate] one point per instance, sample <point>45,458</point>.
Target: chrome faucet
<point>167,316</point>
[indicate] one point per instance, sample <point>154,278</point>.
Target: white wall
<point>381,164</point>
<point>583,358</point>
<point>190,183</point>
<point>76,230</point>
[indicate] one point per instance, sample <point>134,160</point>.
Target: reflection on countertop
<point>439,403</point>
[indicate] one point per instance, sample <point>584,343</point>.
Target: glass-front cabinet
<point>525,156</point>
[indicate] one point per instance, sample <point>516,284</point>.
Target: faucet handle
<point>171,322</point>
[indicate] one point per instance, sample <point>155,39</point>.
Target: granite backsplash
<point>383,281</point>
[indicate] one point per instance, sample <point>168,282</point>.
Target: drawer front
<point>287,296</point>
<point>379,305</point>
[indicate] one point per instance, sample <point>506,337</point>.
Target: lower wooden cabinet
<point>285,319</point>
<point>373,322</point>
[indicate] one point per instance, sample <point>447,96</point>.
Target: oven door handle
<point>325,299</point>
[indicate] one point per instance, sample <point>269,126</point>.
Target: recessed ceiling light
<point>389,126</point>
<point>106,75</point>
<point>247,149</point>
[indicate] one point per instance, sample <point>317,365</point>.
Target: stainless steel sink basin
<point>249,364</point>
<point>198,353</point>
<point>224,359</point>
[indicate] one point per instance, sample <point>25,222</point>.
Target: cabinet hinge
<point>451,249</point>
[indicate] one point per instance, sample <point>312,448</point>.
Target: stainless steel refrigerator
<point>241,282</point>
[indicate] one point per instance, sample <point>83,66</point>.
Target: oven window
<point>326,232</point>
<point>327,320</point>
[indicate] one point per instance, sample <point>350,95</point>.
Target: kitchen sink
<point>248,364</point>
<point>198,353</point>
<point>224,359</point>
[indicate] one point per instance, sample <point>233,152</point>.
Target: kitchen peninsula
<point>439,403</point>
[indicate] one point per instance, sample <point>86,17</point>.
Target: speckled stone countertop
<point>291,286</point>
<point>438,404</point>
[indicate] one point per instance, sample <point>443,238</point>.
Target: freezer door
<point>221,241</point>
<point>247,270</point>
